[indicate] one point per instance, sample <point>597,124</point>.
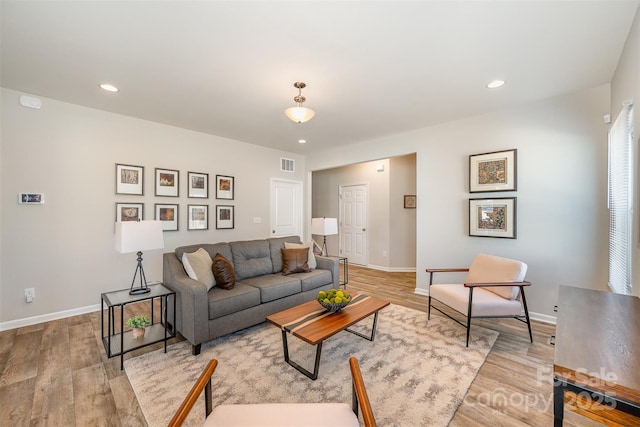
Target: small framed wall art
<point>224,187</point>
<point>493,217</point>
<point>198,217</point>
<point>496,171</point>
<point>167,182</point>
<point>168,214</point>
<point>129,179</point>
<point>410,201</point>
<point>224,217</point>
<point>129,211</point>
<point>198,185</point>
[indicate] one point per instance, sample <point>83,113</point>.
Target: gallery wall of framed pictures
<point>496,171</point>
<point>130,182</point>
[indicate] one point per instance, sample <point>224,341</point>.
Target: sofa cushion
<point>311,259</point>
<point>223,302</point>
<point>485,303</point>
<point>198,267</point>
<point>251,258</point>
<point>275,246</point>
<point>274,286</point>
<point>492,269</point>
<point>295,261</point>
<point>211,248</point>
<point>283,415</point>
<point>315,279</point>
<point>223,272</point>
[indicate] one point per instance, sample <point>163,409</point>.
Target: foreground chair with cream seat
<point>494,288</point>
<point>280,414</point>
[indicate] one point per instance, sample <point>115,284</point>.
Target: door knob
<point>364,229</point>
<point>273,231</point>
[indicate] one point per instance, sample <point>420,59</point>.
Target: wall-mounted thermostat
<point>31,198</point>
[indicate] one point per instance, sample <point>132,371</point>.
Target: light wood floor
<point>57,373</point>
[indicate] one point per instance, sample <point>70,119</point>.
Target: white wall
<point>625,85</point>
<point>391,232</point>
<point>402,222</point>
<point>65,248</point>
<point>326,202</point>
<point>562,171</point>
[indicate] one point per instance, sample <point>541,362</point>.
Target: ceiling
<point>372,68</point>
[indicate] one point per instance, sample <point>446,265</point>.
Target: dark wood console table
<point>596,367</point>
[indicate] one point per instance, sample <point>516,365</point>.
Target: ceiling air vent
<point>287,165</point>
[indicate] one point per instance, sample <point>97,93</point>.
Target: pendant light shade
<point>299,113</point>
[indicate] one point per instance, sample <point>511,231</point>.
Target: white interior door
<point>286,208</point>
<point>354,210</point>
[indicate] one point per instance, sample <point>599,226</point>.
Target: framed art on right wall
<point>493,217</point>
<point>495,171</point>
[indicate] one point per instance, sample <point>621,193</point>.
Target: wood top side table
<point>597,355</point>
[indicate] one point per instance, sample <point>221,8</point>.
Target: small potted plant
<point>138,323</point>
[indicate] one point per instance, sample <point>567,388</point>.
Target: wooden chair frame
<point>360,399</point>
<point>471,286</point>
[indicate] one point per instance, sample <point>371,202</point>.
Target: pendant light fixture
<point>299,114</point>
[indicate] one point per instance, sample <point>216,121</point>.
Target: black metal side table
<point>117,341</point>
<point>345,269</point>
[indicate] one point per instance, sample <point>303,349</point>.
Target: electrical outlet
<point>29,294</point>
<point>384,254</point>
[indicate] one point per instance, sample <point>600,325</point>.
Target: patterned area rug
<point>416,372</point>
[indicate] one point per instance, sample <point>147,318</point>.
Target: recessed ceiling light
<point>302,141</point>
<point>109,88</point>
<point>495,84</point>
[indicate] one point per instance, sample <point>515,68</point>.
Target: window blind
<point>620,201</point>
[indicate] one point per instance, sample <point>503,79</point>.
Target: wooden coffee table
<point>313,324</point>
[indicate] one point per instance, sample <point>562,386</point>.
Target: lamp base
<point>143,289</point>
<point>139,291</point>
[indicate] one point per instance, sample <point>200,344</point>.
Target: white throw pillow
<point>198,267</point>
<point>311,261</point>
<point>492,269</point>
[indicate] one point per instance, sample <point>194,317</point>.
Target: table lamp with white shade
<point>324,227</point>
<point>138,236</point>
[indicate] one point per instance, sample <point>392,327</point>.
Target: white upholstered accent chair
<point>494,288</point>
<point>280,414</point>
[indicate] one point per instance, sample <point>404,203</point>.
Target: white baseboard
<point>392,269</point>
<point>545,318</point>
<point>27,321</point>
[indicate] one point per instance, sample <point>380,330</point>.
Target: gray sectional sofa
<point>260,288</point>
